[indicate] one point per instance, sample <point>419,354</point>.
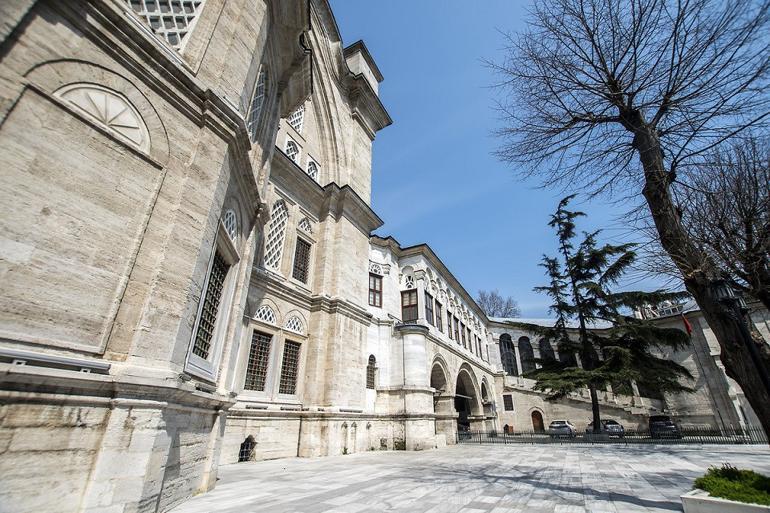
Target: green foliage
<point>632,349</point>
<point>735,484</point>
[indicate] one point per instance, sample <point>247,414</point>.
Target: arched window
<point>257,102</point>
<point>292,150</point>
<point>526,354</point>
<point>276,233</point>
<point>296,118</point>
<point>265,314</point>
<point>246,451</point>
<point>371,369</point>
<point>312,170</point>
<point>546,351</point>
<point>231,224</point>
<point>295,324</point>
<point>508,355</point>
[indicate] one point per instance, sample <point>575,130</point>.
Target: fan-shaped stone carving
<point>108,108</point>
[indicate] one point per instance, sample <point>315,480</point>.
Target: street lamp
<point>736,308</point>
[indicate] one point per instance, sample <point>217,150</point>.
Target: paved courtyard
<point>474,479</point>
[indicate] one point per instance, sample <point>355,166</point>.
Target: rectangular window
<point>462,334</point>
<point>449,324</point>
<point>289,368</point>
<point>468,336</point>
<point>256,368</point>
<point>429,308</point>
<point>409,311</point>
<point>211,300</point>
<point>439,321</point>
<point>375,290</point>
<point>301,260</point>
<point>508,402</point>
<point>457,329</point>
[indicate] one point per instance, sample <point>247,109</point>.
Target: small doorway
<point>537,422</point>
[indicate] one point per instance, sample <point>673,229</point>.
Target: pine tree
<point>579,288</point>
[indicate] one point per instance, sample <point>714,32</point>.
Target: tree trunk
<point>698,271</point>
<point>595,409</point>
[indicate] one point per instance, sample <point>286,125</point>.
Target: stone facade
<point>189,276</point>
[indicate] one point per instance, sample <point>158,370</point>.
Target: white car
<point>562,428</point>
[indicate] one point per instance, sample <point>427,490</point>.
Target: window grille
<point>256,367</point>
<point>409,305</point>
<point>296,118</point>
<point>246,451</point>
<point>170,19</point>
<point>370,372</point>
<point>439,320</point>
<point>276,234</point>
<point>429,308</point>
<point>375,290</point>
<point>508,402</point>
<point>257,102</point>
<point>301,260</point>
<point>211,300</point>
<point>292,150</point>
<point>231,224</point>
<point>312,170</point>
<point>295,324</point>
<point>265,314</point>
<point>305,225</point>
<point>289,368</point>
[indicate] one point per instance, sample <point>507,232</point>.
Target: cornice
<point>338,305</point>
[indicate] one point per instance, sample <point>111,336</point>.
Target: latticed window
<point>508,402</point>
<point>208,315</point>
<point>170,19</point>
<point>231,224</point>
<point>312,170</point>
<point>276,233</point>
<point>305,226</point>
<point>301,260</point>
<point>439,320</point>
<point>259,355</point>
<point>289,368</point>
<point>265,314</point>
<point>429,308</point>
<point>375,290</point>
<point>409,305</point>
<point>371,369</point>
<point>257,102</point>
<point>409,282</point>
<point>292,150</point>
<point>296,118</point>
<point>295,324</point>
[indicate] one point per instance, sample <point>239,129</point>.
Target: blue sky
<point>435,179</point>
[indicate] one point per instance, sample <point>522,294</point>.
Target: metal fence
<point>738,435</point>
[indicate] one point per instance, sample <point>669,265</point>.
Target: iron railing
<point>690,435</point>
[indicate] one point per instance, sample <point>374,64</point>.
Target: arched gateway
<point>467,404</point>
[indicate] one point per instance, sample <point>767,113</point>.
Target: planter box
<point>699,501</point>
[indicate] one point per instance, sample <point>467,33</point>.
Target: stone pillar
<point>419,425</point>
<point>518,357</point>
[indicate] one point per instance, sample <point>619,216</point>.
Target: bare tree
<point>726,211</point>
<point>495,305</point>
<point>620,95</point>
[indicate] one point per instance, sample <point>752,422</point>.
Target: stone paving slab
<point>474,479</point>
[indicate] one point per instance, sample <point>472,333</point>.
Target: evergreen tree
<point>579,288</point>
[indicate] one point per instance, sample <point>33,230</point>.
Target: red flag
<point>687,325</point>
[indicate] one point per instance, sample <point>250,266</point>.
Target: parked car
<point>561,429</point>
<point>662,426</point>
<point>609,427</point>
